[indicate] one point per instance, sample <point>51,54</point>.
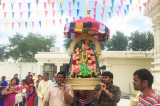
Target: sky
<point>131,21</point>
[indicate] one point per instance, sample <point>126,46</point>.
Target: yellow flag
<point>61,1</point>
<point>132,9</point>
<point>137,6</point>
<point>46,23</point>
<point>36,6</point>
<point>37,13</point>
<point>6,24</point>
<point>139,1</point>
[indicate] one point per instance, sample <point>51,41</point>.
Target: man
<point>106,94</point>
<point>16,77</point>
<point>55,79</point>
<point>43,88</point>
<point>143,81</point>
<point>29,73</point>
<point>60,94</point>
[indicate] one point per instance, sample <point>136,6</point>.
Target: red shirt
<point>31,101</point>
<point>24,89</point>
<point>30,81</point>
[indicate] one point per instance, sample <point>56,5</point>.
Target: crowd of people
<point>40,91</point>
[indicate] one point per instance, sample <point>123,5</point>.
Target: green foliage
<point>24,48</point>
<point>118,42</point>
<point>2,52</point>
<point>141,41</point>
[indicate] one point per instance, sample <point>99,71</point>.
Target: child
<point>31,96</point>
<point>25,89</point>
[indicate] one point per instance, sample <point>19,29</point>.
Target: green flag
<point>26,24</point>
<point>12,5</point>
<point>61,13</point>
<point>109,14</point>
<point>12,14</point>
<point>66,20</point>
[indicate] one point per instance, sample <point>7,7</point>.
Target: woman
<point>39,79</point>
<point>30,80</point>
<point>31,96</point>
<point>11,92</point>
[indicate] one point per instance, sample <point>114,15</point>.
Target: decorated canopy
<point>87,25</point>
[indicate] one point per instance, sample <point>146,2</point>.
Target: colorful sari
<point>10,100</point>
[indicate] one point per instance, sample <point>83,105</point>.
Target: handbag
<point>18,98</point>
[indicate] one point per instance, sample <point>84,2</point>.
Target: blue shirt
<point>54,83</point>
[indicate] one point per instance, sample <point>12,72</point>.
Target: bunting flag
<point>20,4</point>
<point>29,4</point>
<point>54,12</point>
<point>111,9</point>
<point>77,12</point>
<point>61,13</point>
<point>139,1</point>
<point>26,24</point>
<point>61,5</point>
<point>6,25</point>
<point>104,1</point>
<point>53,5</point>
<point>66,20</point>
<point>103,10</point>
<point>95,3</point>
<point>118,13</point>
<point>144,4</point>
<point>109,14</point>
<point>12,25</point>
<point>40,24</point>
<point>3,5</point>
<point>12,5</point>
<point>102,15</point>
<point>112,3</point>
<point>119,7</point>
<point>70,13</point>
<point>45,5</point>
<point>132,9</point>
<point>80,17</point>
<point>0,2</point>
<point>60,21</point>
<point>137,6</point>
<point>149,1</point>
<point>37,13</point>
<point>54,22</point>
<point>121,2</point>
<point>130,2</point>
<point>46,23</point>
<point>78,4</point>
<point>46,13</point>
<point>94,16</point>
<point>74,19</point>
<point>74,1</point>
<point>61,1</point>
<point>49,1</point>
<point>140,8</point>
<point>125,11</point>
<point>29,13</point>
<point>21,13</point>
<point>32,24</point>
<point>94,9</point>
<point>69,3</point>
<point>19,24</point>
<point>12,14</point>
<point>37,1</point>
<point>5,15</point>
<point>127,7</point>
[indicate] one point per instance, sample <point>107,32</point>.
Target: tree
<point>68,41</point>
<point>141,41</point>
<point>24,48</point>
<point>2,52</point>
<point>118,42</point>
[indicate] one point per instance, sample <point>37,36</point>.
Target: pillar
<point>58,66</point>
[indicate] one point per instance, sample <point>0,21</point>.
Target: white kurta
<point>42,90</point>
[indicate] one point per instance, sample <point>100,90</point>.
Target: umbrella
<point>87,25</point>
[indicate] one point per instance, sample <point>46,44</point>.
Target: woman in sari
<point>11,92</point>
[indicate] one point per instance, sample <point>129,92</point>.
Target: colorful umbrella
<point>87,25</point>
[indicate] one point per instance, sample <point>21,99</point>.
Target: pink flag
<point>49,1</point>
<point>12,25</point>
<point>94,9</point>
<point>73,18</point>
<point>70,13</point>
<point>54,12</point>
<point>118,13</point>
<point>53,5</point>
<point>32,24</point>
<point>95,3</point>
<point>140,8</point>
<point>94,15</point>
<point>149,0</point>
<point>19,24</point>
<point>69,4</point>
<point>3,6</point>
<point>21,13</point>
<point>104,1</point>
<point>60,20</point>
<point>20,4</point>
<point>121,2</point>
<point>102,15</point>
<point>103,10</point>
<point>119,8</point>
<point>45,5</point>
<point>5,15</point>
<point>53,22</point>
<point>144,4</point>
<point>46,13</point>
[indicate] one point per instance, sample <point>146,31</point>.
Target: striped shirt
<point>85,96</point>
<point>150,100</point>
